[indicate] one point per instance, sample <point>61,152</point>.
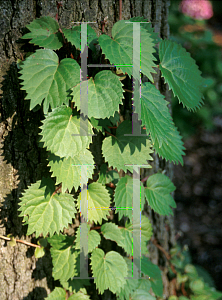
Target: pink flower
<point>197,9</point>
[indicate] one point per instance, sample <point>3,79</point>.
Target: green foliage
<point>98,202</point>
<point>44,211</point>
<point>155,115</point>
<point>181,73</point>
<point>122,150</point>
<point>110,270</point>
<point>44,77</point>
<point>146,233</point>
<point>48,206</point>
<point>154,274</point>
<point>199,284</point>
<point>104,92</point>
<point>94,239</point>
<point>44,33</point>
<point>157,193</point>
<point>73,36</point>
<point>201,43</point>
<point>68,170</point>
<point>61,133</point>
<point>119,49</point>
<point>124,195</point>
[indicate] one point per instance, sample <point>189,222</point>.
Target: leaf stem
<point>56,190</point>
<point>128,91</point>
<point>120,9</point>
<point>110,134</point>
<point>20,241</point>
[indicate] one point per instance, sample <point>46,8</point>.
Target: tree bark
<point>22,162</point>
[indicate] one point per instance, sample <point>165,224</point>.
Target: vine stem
<point>168,257</point>
<point>20,241</point>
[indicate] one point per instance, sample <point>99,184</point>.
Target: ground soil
<point>199,200</point>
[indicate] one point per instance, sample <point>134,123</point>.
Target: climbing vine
<point>55,85</point>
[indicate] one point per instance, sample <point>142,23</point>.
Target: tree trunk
<point>22,162</point>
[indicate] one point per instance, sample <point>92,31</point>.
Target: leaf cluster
<point>48,205</point>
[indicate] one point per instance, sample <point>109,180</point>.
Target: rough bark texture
<point>23,163</point>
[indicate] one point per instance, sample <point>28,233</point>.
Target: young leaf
<point>57,294</point>
<point>63,257</point>
<point>73,36</point>
<point>157,193</point>
<point>58,131</point>
<point>119,49</point>
<point>104,93</point>
<point>109,270</point>
<point>39,252</point>
<point>68,170</point>
<point>124,196</point>
<point>181,73</point>
<point>98,202</point>
<point>44,77</point>
<point>156,117</point>
<point>94,239</point>
<point>154,273</point>
<point>111,232</point>
<point>44,33</point>
<point>121,150</point>
<point>47,212</point>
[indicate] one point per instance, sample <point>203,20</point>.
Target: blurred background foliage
<point>202,38</point>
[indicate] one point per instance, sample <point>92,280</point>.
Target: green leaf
<point>154,273</point>
<point>44,77</point>
<point>181,73</point>
<point>75,284</point>
<point>111,232</point>
<point>157,193</point>
<point>124,196</point>
<point>12,242</point>
<point>73,36</point>
<point>68,170</point>
<point>94,239</point>
<point>57,294</point>
<point>98,202</point>
<point>109,270</point>
<point>39,252</point>
<point>44,33</point>
<point>147,26</point>
<point>119,49</point>
<point>133,284</point>
<point>146,233</point>
<point>101,124</point>
<point>197,285</point>
<point>112,176</point>
<point>58,131</point>
<point>104,92</point>
<point>156,117</point>
<point>81,295</point>
<point>63,257</point>
<point>102,174</point>
<point>140,294</point>
<point>120,150</point>
<point>47,212</point>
